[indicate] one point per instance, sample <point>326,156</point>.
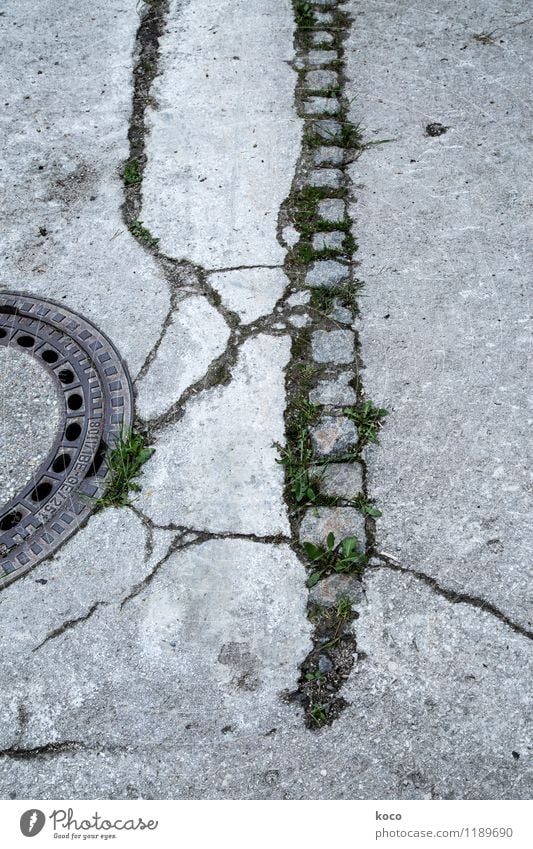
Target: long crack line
<point>389,562</point>
<point>70,623</point>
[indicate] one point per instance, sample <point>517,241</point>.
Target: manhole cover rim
<point>106,409</point>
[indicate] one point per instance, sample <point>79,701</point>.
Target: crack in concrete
<point>238,268</point>
<point>54,749</point>
<point>453,596</point>
<point>70,623</point>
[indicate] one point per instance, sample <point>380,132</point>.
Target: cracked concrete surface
<point>224,138</point>
<point>154,655</point>
<point>442,225</point>
<point>66,92</point>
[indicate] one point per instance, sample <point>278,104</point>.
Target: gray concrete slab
<point>66,90</point>
<point>183,356</point>
<point>215,469</point>
<point>224,138</point>
<point>435,711</point>
<point>443,226</point>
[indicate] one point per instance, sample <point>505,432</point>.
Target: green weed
<point>366,508</point>
<point>344,608</point>
<point>140,232</point>
<point>305,17</point>
<point>131,173</point>
<point>126,459</point>
<point>368,419</point>
<point>344,556</point>
<point>318,715</point>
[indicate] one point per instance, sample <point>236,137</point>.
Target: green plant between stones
<point>344,556</point>
<point>368,419</point>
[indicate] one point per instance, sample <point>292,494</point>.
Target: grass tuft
<point>368,419</point>
<point>126,459</point>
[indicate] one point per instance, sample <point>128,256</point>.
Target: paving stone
<point>324,17</point>
<point>326,178</point>
<point>290,235</point>
<point>327,129</point>
<point>333,346</point>
<point>318,80</point>
<point>342,522</point>
<point>332,239</point>
<point>299,299</point>
<point>331,209</point>
<point>320,105</point>
<point>344,480</point>
<point>328,273</point>
<point>224,138</point>
<point>333,435</point>
<point>183,356</point>
<point>329,155</point>
<point>250,292</point>
<point>215,469</point>
<point>335,392</point>
<point>341,314</point>
<point>299,320</point>
<point>326,3</point>
<point>329,591</point>
<point>322,37</point>
<point>321,57</point>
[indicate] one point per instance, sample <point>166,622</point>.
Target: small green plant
<point>305,17</point>
<point>131,173</point>
<point>368,419</point>
<point>302,486</point>
<point>344,608</point>
<point>351,136</point>
<point>349,245</point>
<point>318,715</point>
<point>366,508</point>
<point>138,230</point>
<point>126,459</point>
<point>297,456</point>
<point>322,300</point>
<point>313,676</point>
<point>344,556</point>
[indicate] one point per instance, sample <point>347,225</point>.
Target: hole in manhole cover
<point>65,396</point>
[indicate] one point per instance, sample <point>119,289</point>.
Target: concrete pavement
<point>171,649</point>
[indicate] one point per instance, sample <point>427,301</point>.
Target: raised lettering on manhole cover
<point>95,405</point>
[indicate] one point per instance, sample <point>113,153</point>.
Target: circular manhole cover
<point>77,402</point>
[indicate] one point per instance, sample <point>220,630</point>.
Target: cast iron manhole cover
<point>95,406</point>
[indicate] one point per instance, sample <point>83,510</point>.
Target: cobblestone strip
<point>328,419</point>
